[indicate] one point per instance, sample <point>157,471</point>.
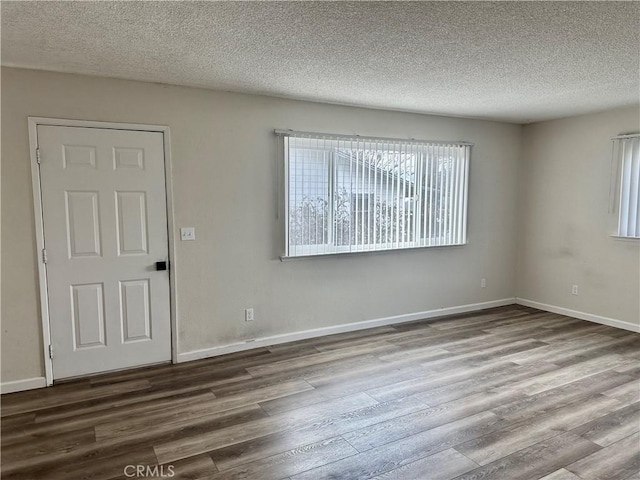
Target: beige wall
<point>565,224</point>
<point>224,164</point>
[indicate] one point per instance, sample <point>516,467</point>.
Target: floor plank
<point>291,462</point>
<point>389,456</point>
<point>329,426</point>
<point>381,433</point>
<point>443,465</point>
<point>501,443</point>
<point>561,474</point>
<point>618,461</point>
<point>530,406</point>
<point>181,414</point>
<point>535,461</point>
<point>183,448</point>
<point>627,393</point>
<point>615,426</point>
<point>322,393</point>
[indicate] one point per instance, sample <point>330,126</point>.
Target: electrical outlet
<point>574,289</point>
<point>483,283</point>
<point>248,315</point>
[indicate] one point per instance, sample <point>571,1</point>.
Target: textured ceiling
<point>512,61</point>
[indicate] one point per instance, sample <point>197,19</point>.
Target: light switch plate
<point>187,233</point>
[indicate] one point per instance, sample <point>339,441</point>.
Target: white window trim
<point>618,178</point>
<point>306,251</point>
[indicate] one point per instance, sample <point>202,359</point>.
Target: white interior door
<point>105,227</point>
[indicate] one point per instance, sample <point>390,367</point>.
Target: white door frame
<point>39,223</point>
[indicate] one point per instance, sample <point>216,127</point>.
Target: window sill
<point>284,258</point>
<point>625,239</point>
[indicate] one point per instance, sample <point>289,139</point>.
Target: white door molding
<point>33,123</point>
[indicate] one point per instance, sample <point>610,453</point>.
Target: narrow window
<point>626,156</point>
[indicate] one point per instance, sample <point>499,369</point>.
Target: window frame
<point>621,175</point>
<point>420,188</point>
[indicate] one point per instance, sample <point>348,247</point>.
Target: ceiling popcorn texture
<point>509,61</point>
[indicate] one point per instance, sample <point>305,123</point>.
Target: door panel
<point>134,303</point>
<point>87,310</point>
<point>83,224</point>
<point>78,156</point>
<point>105,226</point>
<point>132,223</point>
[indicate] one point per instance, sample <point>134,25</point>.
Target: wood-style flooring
<point>506,393</point>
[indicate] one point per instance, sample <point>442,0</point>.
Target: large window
<point>353,194</point>
<point>627,158</point>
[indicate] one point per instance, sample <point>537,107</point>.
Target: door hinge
<point>44,255</point>
<point>38,159</point>
<point>50,351</point>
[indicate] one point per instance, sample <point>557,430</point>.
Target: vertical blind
<point>626,152</point>
<point>354,194</point>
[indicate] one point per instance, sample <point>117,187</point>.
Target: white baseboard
<point>348,327</point>
<point>612,322</point>
<point>20,385</point>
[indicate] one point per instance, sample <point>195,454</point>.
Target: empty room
<point>320,240</point>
